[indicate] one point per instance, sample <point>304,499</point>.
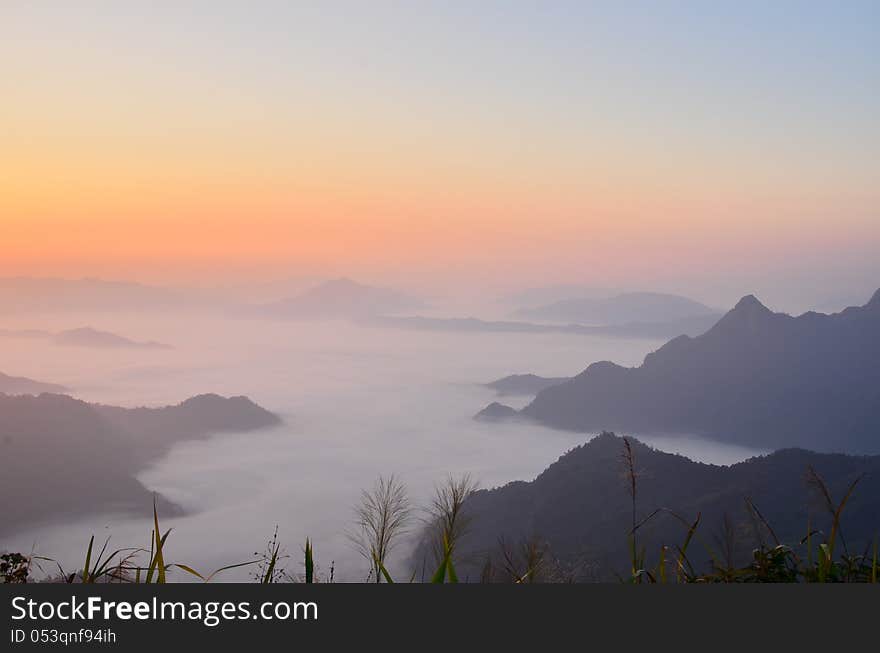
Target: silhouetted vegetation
<point>454,516</point>
<point>383,516</point>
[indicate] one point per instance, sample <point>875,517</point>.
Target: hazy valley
<point>336,397</point>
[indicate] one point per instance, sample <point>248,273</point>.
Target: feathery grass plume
<point>447,519</point>
<point>383,517</point>
<point>631,476</point>
<point>628,458</point>
<point>525,562</point>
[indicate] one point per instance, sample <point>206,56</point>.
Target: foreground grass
<point>384,512</point>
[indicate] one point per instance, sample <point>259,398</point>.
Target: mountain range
<point>89,337</point>
<point>83,337</point>
<point>19,385</point>
<point>66,457</point>
<point>625,308</point>
<point>756,377</point>
<point>580,507</point>
<point>541,295</point>
<point>524,384</point>
<point>648,330</point>
<point>22,295</point>
<point>340,298</point>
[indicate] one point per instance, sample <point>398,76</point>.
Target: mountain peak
<point>495,412</point>
<point>874,302</point>
<point>749,308</point>
<point>750,303</point>
<point>749,315</point>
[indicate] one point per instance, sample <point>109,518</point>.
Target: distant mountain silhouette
<point>496,412</point>
<point>26,295</point>
<point>685,326</point>
<point>524,384</point>
<point>18,385</point>
<point>23,295</point>
<point>89,337</point>
<point>462,324</point>
<point>626,308</point>
<point>648,330</point>
<point>756,377</point>
<point>71,457</point>
<point>341,298</point>
<point>82,337</point>
<point>539,296</point>
<point>196,417</point>
<point>580,506</point>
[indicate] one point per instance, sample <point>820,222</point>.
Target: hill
<point>89,337</point>
<point>19,385</point>
<point>645,330</point>
<point>524,384</point>
<point>626,308</point>
<point>71,457</point>
<point>581,509</point>
<point>341,298</point>
<point>496,412</point>
<point>756,378</point>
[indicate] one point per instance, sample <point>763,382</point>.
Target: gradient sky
<point>665,144</point>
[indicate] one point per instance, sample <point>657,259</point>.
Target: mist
<point>356,402</point>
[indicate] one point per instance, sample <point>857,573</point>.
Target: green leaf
<point>189,570</point>
<point>157,559</point>
<point>451,569</point>
<point>384,573</point>
<point>227,567</point>
<point>85,572</point>
<point>440,575</point>
<point>310,563</point>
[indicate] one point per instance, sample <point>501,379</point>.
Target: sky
<point>685,145</point>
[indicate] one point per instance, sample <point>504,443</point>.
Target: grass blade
<point>310,563</point>
<point>189,570</point>
<point>450,568</point>
<point>85,571</point>
<point>160,559</point>
<point>440,575</point>
<point>384,573</point>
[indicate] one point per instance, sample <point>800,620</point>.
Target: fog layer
<point>356,402</point>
